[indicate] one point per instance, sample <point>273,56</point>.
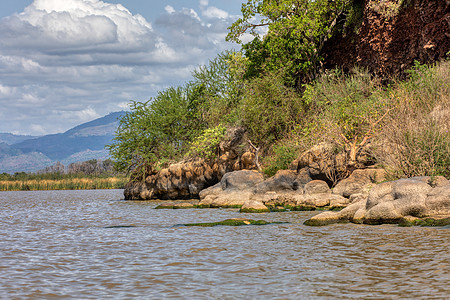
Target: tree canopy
<point>296,31</point>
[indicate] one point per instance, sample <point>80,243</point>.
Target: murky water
<point>90,245</point>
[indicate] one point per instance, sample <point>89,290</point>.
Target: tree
<point>296,33</point>
<point>162,130</point>
<point>154,133</point>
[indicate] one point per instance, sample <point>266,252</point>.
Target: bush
<point>154,134</point>
<point>269,109</point>
<point>282,155</point>
<point>207,144</point>
<point>416,140</point>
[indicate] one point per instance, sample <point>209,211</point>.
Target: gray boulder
<point>359,182</point>
<point>233,190</point>
<point>404,201</point>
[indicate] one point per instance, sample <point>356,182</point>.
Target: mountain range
<point>21,153</point>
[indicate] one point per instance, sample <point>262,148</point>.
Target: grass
<point>63,184</point>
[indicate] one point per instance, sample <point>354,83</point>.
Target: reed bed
<point>64,184</point>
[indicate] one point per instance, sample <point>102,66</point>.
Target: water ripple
<point>89,245</point>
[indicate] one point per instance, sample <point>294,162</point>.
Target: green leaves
<point>297,31</point>
<point>162,130</point>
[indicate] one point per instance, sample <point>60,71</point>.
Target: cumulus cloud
<point>214,12</point>
<point>67,62</point>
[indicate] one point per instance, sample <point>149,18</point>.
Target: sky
<point>66,62</point>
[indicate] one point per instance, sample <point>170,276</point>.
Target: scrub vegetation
<point>276,88</point>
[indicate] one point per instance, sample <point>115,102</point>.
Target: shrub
<point>282,155</point>
<point>207,144</point>
<point>269,109</point>
<point>416,140</point>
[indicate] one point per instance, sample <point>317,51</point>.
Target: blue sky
<point>65,62</point>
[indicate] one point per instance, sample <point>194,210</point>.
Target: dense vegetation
<point>276,89</point>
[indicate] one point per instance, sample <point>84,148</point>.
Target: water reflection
<point>87,244</point>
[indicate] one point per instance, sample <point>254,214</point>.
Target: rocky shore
<point>362,198</point>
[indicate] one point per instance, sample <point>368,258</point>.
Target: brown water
<point>67,244</point>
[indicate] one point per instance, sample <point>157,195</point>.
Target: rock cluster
<point>395,202</point>
<point>186,179</point>
<point>287,189</point>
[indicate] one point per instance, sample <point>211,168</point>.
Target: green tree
<point>154,133</point>
<point>217,88</point>
<point>163,129</point>
<point>269,109</point>
<point>296,33</point>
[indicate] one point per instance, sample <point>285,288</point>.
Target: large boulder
<point>402,201</point>
<point>233,190</point>
<point>359,182</point>
<point>283,180</point>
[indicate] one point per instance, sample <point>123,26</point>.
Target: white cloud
<point>36,129</point>
<point>214,12</point>
<point>87,114</point>
<point>67,62</point>
<point>169,9</point>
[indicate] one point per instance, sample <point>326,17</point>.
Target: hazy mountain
<point>9,138</point>
<point>83,142</point>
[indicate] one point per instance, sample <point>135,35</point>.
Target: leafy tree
<point>217,89</point>
<point>269,109</point>
<point>163,129</point>
<point>154,133</point>
<point>296,33</point>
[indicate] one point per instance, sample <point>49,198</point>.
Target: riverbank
<point>64,184</point>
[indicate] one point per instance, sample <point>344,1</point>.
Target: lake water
<point>66,244</point>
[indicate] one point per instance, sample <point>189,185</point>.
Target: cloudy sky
<point>66,62</point>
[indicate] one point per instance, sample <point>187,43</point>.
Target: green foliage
<point>283,153</point>
<point>154,133</point>
<point>207,144</point>
<point>297,31</point>
<point>387,9</point>
<point>347,104</point>
<point>417,138</point>
<point>217,89</point>
<point>424,152</point>
<point>160,131</point>
<point>269,109</point>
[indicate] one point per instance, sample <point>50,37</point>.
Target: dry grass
<point>416,139</point>
<point>64,184</point>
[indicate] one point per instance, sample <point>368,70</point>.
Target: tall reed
<point>64,184</point>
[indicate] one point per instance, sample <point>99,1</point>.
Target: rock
<point>241,180</point>
<point>317,187</point>
<point>185,180</point>
<point>438,201</point>
<point>283,180</point>
<point>320,161</point>
<point>247,160</point>
<point>411,201</point>
<point>359,182</point>
<point>325,218</point>
<point>233,190</point>
<point>228,199</point>
<point>175,205</point>
<point>253,206</point>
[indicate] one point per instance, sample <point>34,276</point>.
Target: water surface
<point>91,244</point>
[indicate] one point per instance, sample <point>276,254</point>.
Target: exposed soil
<point>389,45</point>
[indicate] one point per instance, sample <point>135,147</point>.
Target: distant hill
<point>9,138</point>
<point>83,142</point>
